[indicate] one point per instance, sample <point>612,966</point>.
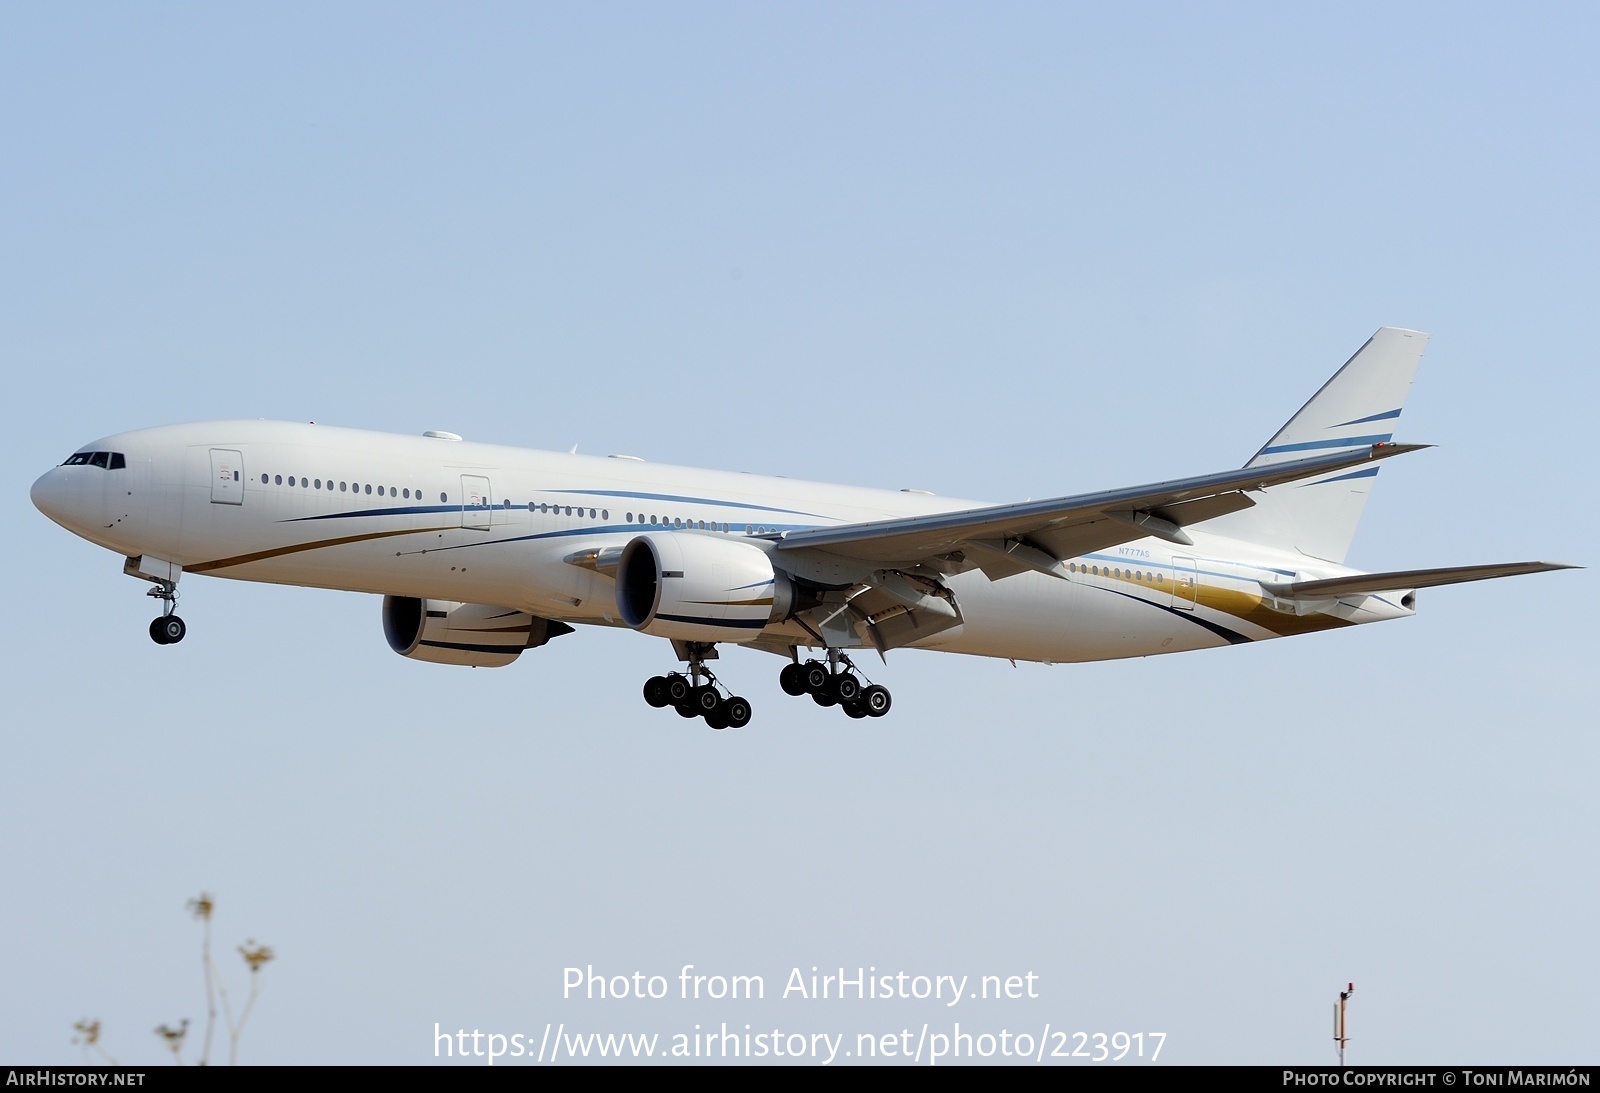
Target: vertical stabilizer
<point>1359,406</point>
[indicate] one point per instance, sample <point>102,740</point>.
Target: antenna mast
<point>1340,1029</point>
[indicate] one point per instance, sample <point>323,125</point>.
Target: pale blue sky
<point>993,252</point>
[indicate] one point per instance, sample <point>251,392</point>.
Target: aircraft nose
<point>49,496</point>
<point>65,497</point>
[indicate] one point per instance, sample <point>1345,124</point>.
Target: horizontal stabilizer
<point>1364,583</point>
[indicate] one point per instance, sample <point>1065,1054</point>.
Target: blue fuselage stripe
<point>684,500</point>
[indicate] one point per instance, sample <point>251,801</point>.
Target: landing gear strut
<point>167,628</point>
<point>829,684</point>
<point>697,694</point>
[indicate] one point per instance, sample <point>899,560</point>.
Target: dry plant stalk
<point>255,958</point>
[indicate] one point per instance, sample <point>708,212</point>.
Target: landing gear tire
<point>846,688</point>
<point>824,698</point>
<point>816,676</point>
<point>793,680</point>
<point>736,711</point>
<point>678,688</point>
<point>718,718</point>
<point>853,709</point>
<point>167,630</point>
<point>875,701</point>
<point>686,710</point>
<point>705,700</point>
<point>655,692</point>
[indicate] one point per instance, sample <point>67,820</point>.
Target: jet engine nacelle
<point>699,588</point>
<point>446,632</point>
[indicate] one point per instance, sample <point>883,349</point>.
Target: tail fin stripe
<point>1346,442</point>
<point>1361,420</point>
<point>1364,396</point>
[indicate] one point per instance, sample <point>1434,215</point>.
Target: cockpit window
<point>114,461</point>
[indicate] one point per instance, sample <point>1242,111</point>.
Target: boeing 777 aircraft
<point>481,552</point>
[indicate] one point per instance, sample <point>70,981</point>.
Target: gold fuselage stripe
<point>279,552</point>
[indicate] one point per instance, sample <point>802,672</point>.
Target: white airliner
<point>481,552</point>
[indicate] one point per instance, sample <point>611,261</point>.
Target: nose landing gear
<point>167,628</point>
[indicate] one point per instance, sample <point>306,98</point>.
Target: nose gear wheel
<point>168,628</point>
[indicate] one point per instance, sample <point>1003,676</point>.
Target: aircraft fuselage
<point>441,519</point>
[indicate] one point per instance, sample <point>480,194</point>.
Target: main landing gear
<point>830,685</point>
<point>167,628</point>
<point>693,698</point>
<point>697,693</point>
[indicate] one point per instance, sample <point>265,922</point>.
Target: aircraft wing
<point>1364,583</point>
<point>1006,539</point>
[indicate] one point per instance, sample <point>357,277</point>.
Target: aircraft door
<point>477,502</point>
<point>1185,583</point>
<point>227,477</point>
